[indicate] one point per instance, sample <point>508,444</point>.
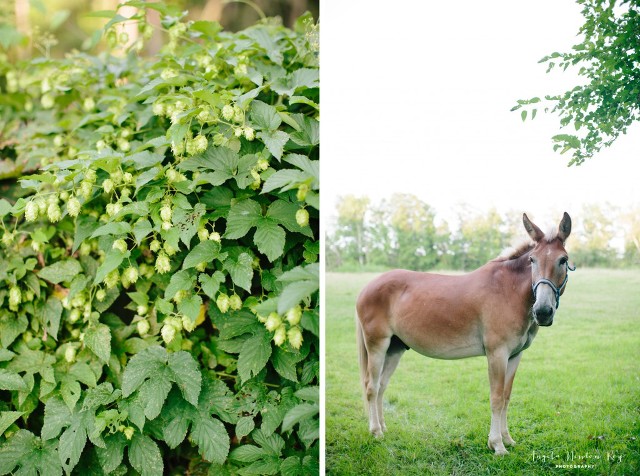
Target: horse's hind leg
<point>376,351</point>
<point>391,361</point>
<point>512,366</point>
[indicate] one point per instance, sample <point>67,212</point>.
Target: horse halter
<point>557,290</point>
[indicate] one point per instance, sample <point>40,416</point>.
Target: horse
<point>494,311</point>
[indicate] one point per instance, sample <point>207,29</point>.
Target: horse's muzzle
<point>543,315</point>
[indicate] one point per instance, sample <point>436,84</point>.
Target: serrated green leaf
<point>186,375</point>
<point>142,366</point>
<point>56,416</point>
<point>211,284</point>
<point>111,261</point>
<point>264,117</point>
<point>284,213</point>
<point>285,179</point>
<point>144,456</point>
<point>114,228</point>
<point>175,431</point>
<point>298,413</point>
<point>152,395</point>
<point>11,381</point>
<point>85,226</point>
<point>72,442</point>
<point>240,270</point>
<point>267,466</point>
<point>110,457</point>
<point>181,281</point>
<point>60,271</point>
<point>20,445</point>
<point>254,355</point>
<point>248,453</point>
<point>211,437</point>
<point>310,394</point>
<point>309,133</point>
<point>7,419</point>
<point>98,339</point>
<point>270,239</point>
<point>190,306</point>
<point>285,363</point>
<point>242,217</point>
<point>5,208</point>
<point>11,327</point>
<point>204,252</point>
<point>244,426</point>
<point>275,141</point>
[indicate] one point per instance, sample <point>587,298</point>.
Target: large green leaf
<point>270,239</point>
<point>98,339</point>
<point>242,217</point>
<point>186,375</point>
<point>264,117</point>
<point>254,355</point>
<point>60,271</point>
<point>211,437</point>
<point>204,252</point>
<point>145,456</point>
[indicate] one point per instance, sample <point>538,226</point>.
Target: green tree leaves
<point>605,103</point>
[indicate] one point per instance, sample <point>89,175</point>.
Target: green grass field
<point>575,401</point>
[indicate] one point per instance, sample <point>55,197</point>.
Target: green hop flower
<point>73,207</point>
<point>70,354</point>
<point>293,315</point>
<point>107,186</point>
<point>120,245</point>
<point>54,213</point>
<point>302,217</point>
<point>166,212</point>
<point>168,333</point>
<point>273,322</point>
<point>143,327</point>
<point>222,302</point>
<point>294,336</point>
<point>227,112</point>
<point>15,297</point>
<point>31,210</point>
<point>280,336</point>
<point>235,302</point>
<point>163,263</point>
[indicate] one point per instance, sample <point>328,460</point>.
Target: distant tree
<point>412,238</point>
<point>592,244</point>
<point>631,220</point>
<point>481,237</point>
<point>606,101</point>
<point>350,233</point>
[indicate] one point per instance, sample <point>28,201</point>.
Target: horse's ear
<point>534,232</point>
<point>564,230</point>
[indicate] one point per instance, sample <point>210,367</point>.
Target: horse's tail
<point>363,358</point>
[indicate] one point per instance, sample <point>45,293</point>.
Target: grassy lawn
<point>575,401</point>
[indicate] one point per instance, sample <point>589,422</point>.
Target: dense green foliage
<point>607,100</point>
<point>159,266</point>
<point>574,402</point>
<point>405,232</point>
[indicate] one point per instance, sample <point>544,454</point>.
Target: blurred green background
<point>71,26</point>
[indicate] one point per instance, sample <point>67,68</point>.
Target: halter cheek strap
<point>556,290</point>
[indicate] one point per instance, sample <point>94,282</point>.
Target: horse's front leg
<point>497,376</point>
<point>512,366</point>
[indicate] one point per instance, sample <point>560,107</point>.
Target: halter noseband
<point>556,290</point>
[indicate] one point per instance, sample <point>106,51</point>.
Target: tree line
<point>403,231</point>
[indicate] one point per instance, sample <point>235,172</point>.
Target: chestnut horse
<point>494,311</point>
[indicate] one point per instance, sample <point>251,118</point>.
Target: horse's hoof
<point>499,448</point>
<point>377,433</point>
<point>508,441</point>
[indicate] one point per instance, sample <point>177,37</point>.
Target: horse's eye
<point>563,260</point>
<point>531,260</point>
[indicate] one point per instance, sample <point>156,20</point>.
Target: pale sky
<point>416,98</point>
